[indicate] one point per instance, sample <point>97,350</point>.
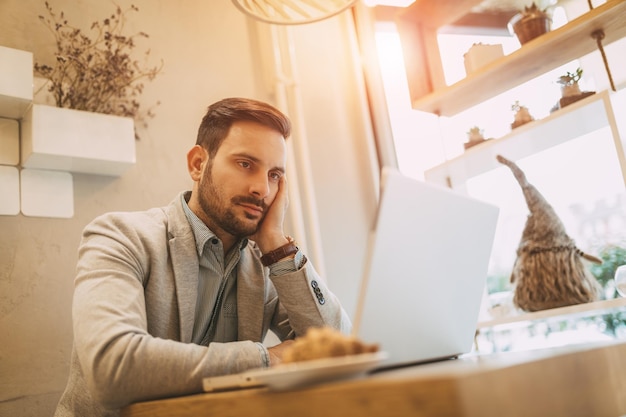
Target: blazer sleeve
<point>128,349</point>
<point>306,301</point>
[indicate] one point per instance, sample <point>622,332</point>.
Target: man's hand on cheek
<point>270,234</point>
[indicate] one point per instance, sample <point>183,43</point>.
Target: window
<point>580,177</point>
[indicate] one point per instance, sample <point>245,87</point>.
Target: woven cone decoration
<point>548,271</point>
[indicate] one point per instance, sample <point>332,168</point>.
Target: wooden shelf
<point>585,116</point>
<point>586,309</point>
<point>535,58</point>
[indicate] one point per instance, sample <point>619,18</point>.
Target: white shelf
<point>62,139</point>
<point>16,82</point>
<point>575,120</point>
<point>586,309</point>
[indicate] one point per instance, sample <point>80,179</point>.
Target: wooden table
<point>586,381</point>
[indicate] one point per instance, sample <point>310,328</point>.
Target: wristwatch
<point>282,252</point>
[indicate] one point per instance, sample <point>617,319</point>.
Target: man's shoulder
<point>138,218</point>
<point>153,220</point>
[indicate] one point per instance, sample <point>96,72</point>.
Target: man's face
<point>241,182</point>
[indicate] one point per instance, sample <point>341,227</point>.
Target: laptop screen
<point>425,271</point>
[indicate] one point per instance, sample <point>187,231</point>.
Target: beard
<point>220,211</point>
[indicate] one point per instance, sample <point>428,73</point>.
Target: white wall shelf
<point>579,310</point>
<point>577,119</point>
<point>16,82</point>
<point>53,142</point>
<point>62,139</point>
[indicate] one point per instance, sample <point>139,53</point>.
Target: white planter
<point>16,82</point>
<point>77,141</point>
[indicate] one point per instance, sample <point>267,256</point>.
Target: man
<point>169,296</point>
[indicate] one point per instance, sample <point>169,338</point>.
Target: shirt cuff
<point>288,265</point>
<point>265,356</point>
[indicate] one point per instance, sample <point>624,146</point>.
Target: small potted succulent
<point>474,137</point>
<point>530,23</point>
<point>570,89</point>
<point>569,83</point>
<point>522,115</point>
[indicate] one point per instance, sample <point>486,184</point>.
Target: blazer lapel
<point>182,246</point>
<point>185,265</point>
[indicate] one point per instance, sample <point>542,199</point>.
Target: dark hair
<point>221,115</point>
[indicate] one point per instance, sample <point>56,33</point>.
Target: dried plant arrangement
<point>97,73</point>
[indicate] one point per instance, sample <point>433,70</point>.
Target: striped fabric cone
<point>549,271</point>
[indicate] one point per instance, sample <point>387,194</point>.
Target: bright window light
<point>580,178</point>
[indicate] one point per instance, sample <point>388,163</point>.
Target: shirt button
<point>314,284</point>
<point>215,241</point>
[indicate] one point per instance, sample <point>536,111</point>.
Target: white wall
<point>209,51</point>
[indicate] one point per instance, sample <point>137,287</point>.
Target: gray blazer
<point>134,305</point>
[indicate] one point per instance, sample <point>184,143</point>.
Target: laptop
<point>425,271</point>
<point>422,286</point>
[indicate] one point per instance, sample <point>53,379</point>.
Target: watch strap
<point>277,254</point>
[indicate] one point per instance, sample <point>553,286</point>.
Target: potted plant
<point>530,23</point>
<point>569,83</point>
<point>570,89</point>
<point>474,137</point>
<point>97,74</point>
<point>522,115</point>
<point>95,82</point>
